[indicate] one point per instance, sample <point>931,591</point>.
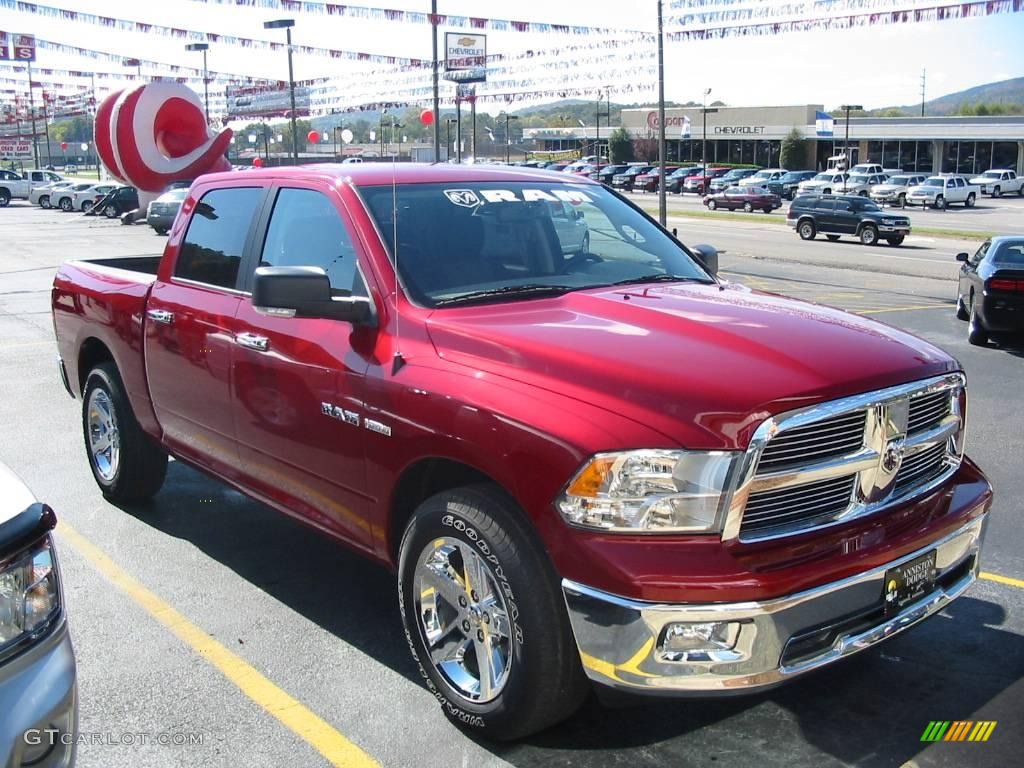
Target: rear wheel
<point>484,615</point>
<point>806,229</point>
<point>110,211</point>
<point>832,238</point>
<point>767,209</point>
<point>976,332</point>
<point>126,463</point>
<point>160,230</point>
<point>868,234</point>
<point>44,201</point>
<point>970,200</point>
<point>5,198</point>
<point>65,204</point>
<point>895,240</point>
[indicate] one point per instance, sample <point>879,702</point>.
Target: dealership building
<point>741,135</point>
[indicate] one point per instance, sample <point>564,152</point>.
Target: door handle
<point>160,316</point>
<point>252,341</point>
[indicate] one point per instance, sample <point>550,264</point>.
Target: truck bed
<point>148,264</point>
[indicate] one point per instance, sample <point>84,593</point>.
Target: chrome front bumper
<point>620,640</point>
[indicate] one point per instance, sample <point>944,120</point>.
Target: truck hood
<point>701,364</point>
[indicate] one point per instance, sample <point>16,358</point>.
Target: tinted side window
<point>306,230</point>
<point>843,206</point>
<point>825,205</point>
<point>212,248</point>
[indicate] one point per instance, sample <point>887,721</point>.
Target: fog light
<point>684,641</point>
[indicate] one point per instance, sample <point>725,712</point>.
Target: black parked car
<point>836,215</point>
<point>606,173</point>
<point>674,181</point>
<point>990,293</point>
<point>115,202</point>
<point>624,181</point>
<point>791,180</point>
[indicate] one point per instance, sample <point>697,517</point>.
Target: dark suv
<point>607,172</point>
<point>791,181</point>
<point>836,215</point>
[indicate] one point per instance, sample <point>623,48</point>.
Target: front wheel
<point>110,211</point>
<point>126,463</point>
<point>868,235</point>
<point>748,207</point>
<point>895,240</point>
<point>806,230</point>
<point>712,205</point>
<point>66,205</point>
<point>940,203</point>
<point>976,331</point>
<point>996,191</point>
<point>5,198</point>
<point>961,309</point>
<point>484,615</point>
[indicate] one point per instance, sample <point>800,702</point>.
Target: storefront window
<point>891,154</point>
<point>982,156</point>
<point>874,152</point>
<point>1004,155</point>
<point>925,161</point>
<point>908,156</point>
<point>951,156</point>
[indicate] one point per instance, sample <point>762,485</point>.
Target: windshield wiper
<point>661,279</point>
<point>532,290</point>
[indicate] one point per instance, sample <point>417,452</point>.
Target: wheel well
<point>93,353</point>
<point>418,483</point>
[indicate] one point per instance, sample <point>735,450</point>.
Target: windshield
<point>899,181</point>
<point>991,175</point>
<point>867,205</point>
<point>857,178</point>
<point>503,241</point>
<point>934,181</point>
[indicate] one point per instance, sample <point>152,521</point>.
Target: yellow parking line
<point>1019,583</point>
<point>294,715</point>
<point>903,309</point>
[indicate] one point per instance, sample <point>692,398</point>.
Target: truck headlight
<point>29,594</point>
<point>652,491</point>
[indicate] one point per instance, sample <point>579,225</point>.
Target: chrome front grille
<point>836,461</point>
<point>837,436</point>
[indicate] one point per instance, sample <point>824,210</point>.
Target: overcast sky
<point>875,67</point>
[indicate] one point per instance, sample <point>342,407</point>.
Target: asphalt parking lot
<point>206,616</point>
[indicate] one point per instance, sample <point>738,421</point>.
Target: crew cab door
<point>190,327</point>
<point>298,383</point>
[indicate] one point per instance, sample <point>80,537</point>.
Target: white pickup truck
<point>999,181</point>
<point>16,187</point>
<point>940,191</point>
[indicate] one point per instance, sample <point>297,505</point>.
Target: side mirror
<point>708,256</point>
<point>577,214</point>
<point>962,257</point>
<point>305,292</point>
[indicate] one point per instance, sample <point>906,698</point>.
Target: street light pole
<point>846,150</point>
<point>286,25</point>
<point>662,203</point>
<point>508,137</point>
<point>448,137</point>
<point>704,140</point>
<point>204,47</point>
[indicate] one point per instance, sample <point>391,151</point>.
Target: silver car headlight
<point>651,491</point>
<point>29,594</point>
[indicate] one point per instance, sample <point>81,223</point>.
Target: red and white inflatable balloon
<point>155,134</point>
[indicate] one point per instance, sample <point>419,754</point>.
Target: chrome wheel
<point>104,440</point>
<point>463,619</point>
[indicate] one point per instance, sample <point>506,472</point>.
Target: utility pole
<point>437,108</point>
<point>287,25</point>
<point>32,116</point>
<point>924,73</point>
<point>92,123</point>
<point>458,128</point>
<point>849,155</point>
<point>704,141</point>
<point>46,132</point>
<point>662,204</point>
<point>508,137</point>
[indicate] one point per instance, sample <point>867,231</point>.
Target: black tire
<point>44,201</point>
<point>863,193</point>
<point>767,209</point>
<point>712,205</point>
<point>826,191</point>
<point>961,309</point>
<point>902,200</point>
<point>969,203</point>
<point>544,681</point>
<point>584,247</point>
<point>160,231</point>
<point>996,191</point>
<point>976,332</point>
<point>65,204</point>
<point>110,211</point>
<point>832,238</point>
<point>894,240</point>
<point>940,203</point>
<point>5,198</point>
<point>748,207</point>
<point>806,229</point>
<point>140,465</point>
<point>868,235</point>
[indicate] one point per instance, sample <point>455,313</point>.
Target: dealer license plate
<point>909,581</point>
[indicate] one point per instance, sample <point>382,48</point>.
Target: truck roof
<point>375,174</point>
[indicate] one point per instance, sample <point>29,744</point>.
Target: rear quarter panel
<point>105,304</point>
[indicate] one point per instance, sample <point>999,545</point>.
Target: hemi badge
<point>376,426</point>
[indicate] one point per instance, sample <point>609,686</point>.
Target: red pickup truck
<point>586,457</point>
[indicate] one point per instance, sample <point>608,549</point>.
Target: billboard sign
<point>15,149</point>
<point>465,57</point>
<point>5,51</point>
<point>266,101</point>
<point>23,47</point>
